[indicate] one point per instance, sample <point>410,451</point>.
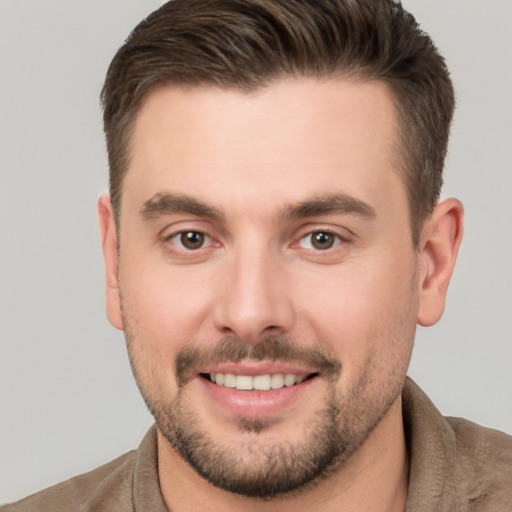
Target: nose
<point>255,300</point>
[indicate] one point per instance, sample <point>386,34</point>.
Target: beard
<point>253,466</point>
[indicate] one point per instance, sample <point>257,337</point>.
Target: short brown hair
<point>248,44</point>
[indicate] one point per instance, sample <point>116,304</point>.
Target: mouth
<point>258,390</point>
<point>264,382</point>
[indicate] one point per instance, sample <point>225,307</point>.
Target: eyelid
<point>339,240</point>
<point>166,235</point>
<point>343,233</point>
<point>208,240</point>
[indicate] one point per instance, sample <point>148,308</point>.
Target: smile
<point>258,389</point>
<point>257,382</point>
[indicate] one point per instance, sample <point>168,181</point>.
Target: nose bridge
<point>254,301</point>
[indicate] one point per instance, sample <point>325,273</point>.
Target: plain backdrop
<point>68,402</point>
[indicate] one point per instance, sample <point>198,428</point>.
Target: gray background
<point>67,399</point>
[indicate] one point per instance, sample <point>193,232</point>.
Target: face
<point>267,276</point>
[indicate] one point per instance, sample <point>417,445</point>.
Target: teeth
<point>229,380</point>
<point>258,382</point>
<point>261,382</point>
<point>277,381</point>
<point>289,380</point>
<point>243,382</point>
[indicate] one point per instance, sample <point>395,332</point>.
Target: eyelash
<point>175,240</point>
<point>339,239</point>
<point>178,234</point>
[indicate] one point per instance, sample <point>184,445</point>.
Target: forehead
<point>284,141</point>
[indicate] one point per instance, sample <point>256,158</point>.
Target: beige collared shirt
<point>456,466</point>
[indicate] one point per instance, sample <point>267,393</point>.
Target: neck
<point>375,479</point>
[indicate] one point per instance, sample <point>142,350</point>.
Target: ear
<point>440,241</point>
<point>111,257</point>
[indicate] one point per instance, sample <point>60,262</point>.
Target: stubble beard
<point>260,469</point>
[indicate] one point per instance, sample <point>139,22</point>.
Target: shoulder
<point>75,492</point>
<point>481,443</point>
<point>455,464</point>
<point>484,464</point>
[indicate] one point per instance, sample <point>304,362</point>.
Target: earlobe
<point>440,241</point>
<point>111,257</point>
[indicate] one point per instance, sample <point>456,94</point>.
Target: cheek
<point>160,317</point>
<point>162,306</point>
<point>364,313</point>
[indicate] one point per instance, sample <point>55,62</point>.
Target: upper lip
<point>258,368</point>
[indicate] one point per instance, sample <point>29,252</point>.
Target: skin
<point>252,161</point>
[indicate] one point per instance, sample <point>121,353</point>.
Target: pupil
<point>192,240</point>
<point>323,240</point>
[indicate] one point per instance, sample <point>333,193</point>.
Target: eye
<point>320,240</point>
<point>190,240</point>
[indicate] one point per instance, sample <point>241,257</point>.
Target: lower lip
<point>256,404</point>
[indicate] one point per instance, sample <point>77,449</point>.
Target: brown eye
<point>192,240</point>
<point>320,240</point>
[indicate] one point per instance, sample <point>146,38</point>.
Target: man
<point>272,237</point>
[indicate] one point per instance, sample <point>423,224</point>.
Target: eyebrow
<point>167,203</point>
<point>329,204</point>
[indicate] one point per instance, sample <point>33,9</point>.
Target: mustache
<point>190,360</point>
